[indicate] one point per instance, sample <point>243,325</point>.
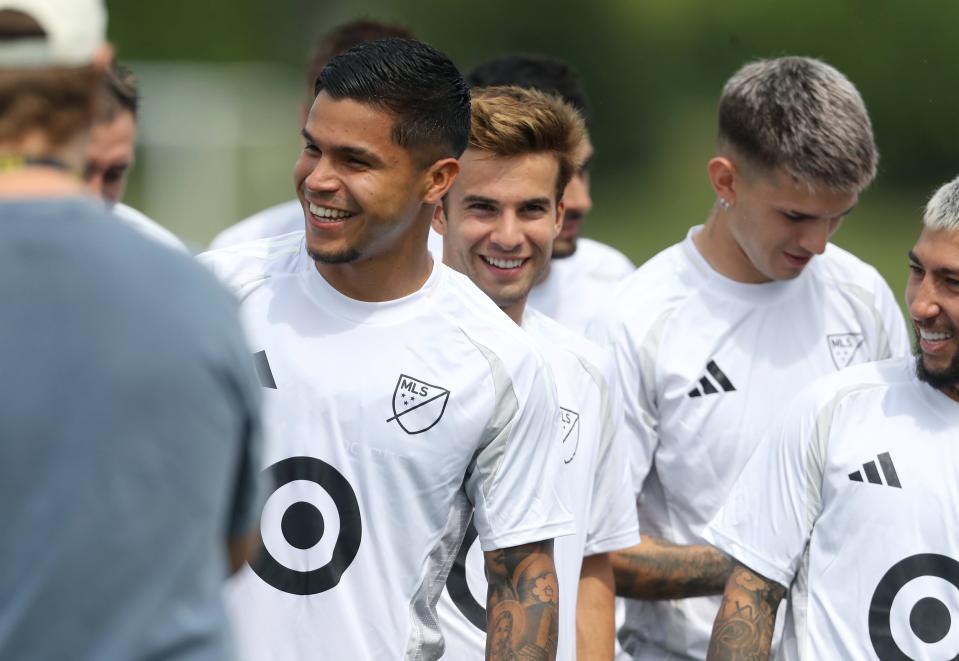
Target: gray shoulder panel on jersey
<point>648,351</point>
<point>815,460</point>
<point>426,639</point>
<point>608,430</point>
<point>490,454</point>
<point>866,297</point>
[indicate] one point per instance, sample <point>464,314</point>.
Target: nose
<point>321,177</point>
<point>576,196</point>
<point>815,235</point>
<point>507,234</point>
<point>921,299</point>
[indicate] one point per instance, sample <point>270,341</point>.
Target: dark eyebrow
<point>913,258</point>
<point>797,215</point>
<point>479,198</point>
<point>944,272</point>
<point>346,150</point>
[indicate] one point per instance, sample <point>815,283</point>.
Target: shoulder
<point>460,303</point>
<point>603,258</point>
<point>148,227</point>
<point>279,219</point>
<point>244,266</point>
<point>652,292</point>
<point>550,334</point>
<point>827,393</point>
<point>841,267</point>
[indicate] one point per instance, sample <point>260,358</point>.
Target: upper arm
<point>513,482</point>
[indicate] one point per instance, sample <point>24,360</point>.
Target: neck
<point>393,272</point>
<point>515,311</point>
<point>723,253</point>
<point>39,181</point>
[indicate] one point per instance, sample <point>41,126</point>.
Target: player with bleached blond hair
<point>848,495</point>
<point>499,222</point>
<point>712,335</point>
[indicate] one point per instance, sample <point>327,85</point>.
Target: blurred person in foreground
<point>111,151</point>
<point>714,333</point>
<point>399,399</point>
<point>129,411</point>
<point>852,497</point>
<point>498,223</point>
<point>287,217</point>
<point>581,277</point>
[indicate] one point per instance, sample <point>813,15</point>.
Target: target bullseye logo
<point>303,526</point>
<point>458,587</point>
<point>930,633</point>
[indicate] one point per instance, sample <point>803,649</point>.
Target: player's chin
<point>327,252</point>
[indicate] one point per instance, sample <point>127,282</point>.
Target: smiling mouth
<point>503,264</point>
<point>329,214</point>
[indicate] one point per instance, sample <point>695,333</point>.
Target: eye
<point>793,216</point>
<point>114,174</point>
<point>915,269</point>
<point>310,148</point>
<point>533,210</point>
<point>357,163</point>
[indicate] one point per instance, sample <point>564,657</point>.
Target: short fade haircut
<point>121,94</point>
<point>802,116</point>
<point>341,39</point>
<point>537,72</point>
<point>59,102</point>
<point>942,211</point>
<point>416,83</point>
<point>512,121</point>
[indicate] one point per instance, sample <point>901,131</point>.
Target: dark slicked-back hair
<point>538,72</point>
<point>121,94</point>
<point>416,83</point>
<point>341,39</point>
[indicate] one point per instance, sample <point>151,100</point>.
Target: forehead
<point>350,122</point>
<point>507,178</point>
<point>938,249</point>
<point>782,190</point>
<point>116,134</point>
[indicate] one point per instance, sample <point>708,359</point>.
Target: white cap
<point>75,30</point>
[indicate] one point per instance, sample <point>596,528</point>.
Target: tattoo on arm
<point>522,603</point>
<point>658,569</point>
<point>744,626</point>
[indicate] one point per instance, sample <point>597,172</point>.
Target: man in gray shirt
<point>129,423</point>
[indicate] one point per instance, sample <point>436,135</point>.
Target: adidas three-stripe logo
<point>709,386</point>
<point>872,473</point>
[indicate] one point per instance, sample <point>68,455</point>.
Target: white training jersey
<point>704,362</point>
<point>388,424</point>
<point>852,500</point>
<point>148,227</point>
<point>279,219</point>
<point>595,471</point>
<point>578,287</point>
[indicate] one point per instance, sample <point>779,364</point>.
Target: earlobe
<point>439,220</point>
<point>439,179</point>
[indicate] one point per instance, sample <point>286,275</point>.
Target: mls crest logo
<point>843,348</point>
<point>569,422</point>
<point>417,405</point>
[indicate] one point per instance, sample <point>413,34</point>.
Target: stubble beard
<point>944,379</point>
<point>344,256</point>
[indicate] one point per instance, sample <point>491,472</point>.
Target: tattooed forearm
<point>744,626</point>
<point>522,603</point>
<point>657,569</point>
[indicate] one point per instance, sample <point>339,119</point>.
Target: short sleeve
<point>614,524</point>
<point>768,516</point>
<point>513,480</point>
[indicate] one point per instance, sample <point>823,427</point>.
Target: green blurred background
<point>222,81</point>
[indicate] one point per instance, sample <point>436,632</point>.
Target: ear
<point>439,220</point>
<point>560,217</point>
<point>723,176</point>
<point>439,178</point>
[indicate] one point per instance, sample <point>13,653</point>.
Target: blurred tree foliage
<point>645,62</point>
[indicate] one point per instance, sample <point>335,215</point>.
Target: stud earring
<point>724,204</point>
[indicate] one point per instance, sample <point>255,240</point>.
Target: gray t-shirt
<point>129,441</point>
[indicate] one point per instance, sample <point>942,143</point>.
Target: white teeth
<point>504,263</point>
<point>328,213</point>
<point>933,337</point>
